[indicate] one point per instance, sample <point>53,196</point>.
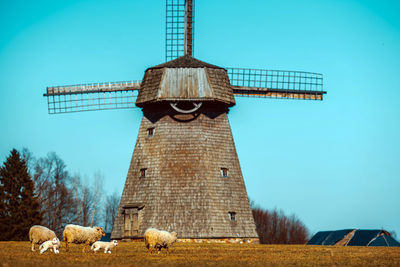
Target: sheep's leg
<point>66,242</point>
<point>33,246</point>
<point>84,246</point>
<point>43,250</point>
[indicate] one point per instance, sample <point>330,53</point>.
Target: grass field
<point>185,254</point>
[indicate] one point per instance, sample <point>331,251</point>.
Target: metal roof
<point>353,237</point>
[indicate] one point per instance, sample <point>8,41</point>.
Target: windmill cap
<point>185,61</point>
<point>185,79</point>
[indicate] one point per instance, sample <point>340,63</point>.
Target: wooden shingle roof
<point>185,61</point>
<point>185,79</point>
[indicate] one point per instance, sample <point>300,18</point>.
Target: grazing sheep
<point>82,235</point>
<point>106,245</point>
<point>53,244</point>
<point>39,234</point>
<point>154,238</point>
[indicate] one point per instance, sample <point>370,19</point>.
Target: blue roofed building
<point>354,237</point>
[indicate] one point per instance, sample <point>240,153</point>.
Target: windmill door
<point>132,218</point>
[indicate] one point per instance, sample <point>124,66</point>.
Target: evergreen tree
<point>19,207</point>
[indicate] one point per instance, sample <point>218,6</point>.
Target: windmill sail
<point>276,83</point>
<point>179,28</point>
<point>93,96</point>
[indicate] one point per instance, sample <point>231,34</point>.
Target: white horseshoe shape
<point>175,107</point>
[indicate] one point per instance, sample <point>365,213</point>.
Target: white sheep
<point>157,239</point>
<point>107,246</point>
<point>82,235</point>
<point>39,234</point>
<point>53,245</point>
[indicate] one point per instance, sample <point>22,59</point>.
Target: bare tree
<point>274,227</point>
<point>64,198</point>
<point>52,188</point>
<point>298,232</point>
<point>97,194</point>
<point>30,160</point>
<point>76,190</point>
<point>111,208</point>
<point>85,205</point>
<point>83,199</point>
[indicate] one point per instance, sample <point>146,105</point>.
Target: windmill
<point>184,173</point>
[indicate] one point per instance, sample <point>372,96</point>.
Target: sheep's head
<point>54,241</point>
<point>100,230</point>
<point>115,242</point>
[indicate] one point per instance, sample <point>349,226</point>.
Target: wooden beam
<point>277,93</point>
<point>188,27</point>
<point>93,88</point>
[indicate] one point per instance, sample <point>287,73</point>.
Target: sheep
<point>106,245</point>
<point>154,238</point>
<point>82,235</point>
<point>53,244</point>
<point>39,234</point>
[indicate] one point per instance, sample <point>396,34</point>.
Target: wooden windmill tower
<point>184,173</point>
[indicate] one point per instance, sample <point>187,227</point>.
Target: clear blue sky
<point>335,163</point>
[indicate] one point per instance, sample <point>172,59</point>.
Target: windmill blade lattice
<point>276,83</point>
<point>93,96</point>
<point>179,28</point>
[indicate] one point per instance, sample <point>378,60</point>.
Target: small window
<point>150,131</point>
<point>143,172</point>
<point>224,172</point>
<point>232,216</point>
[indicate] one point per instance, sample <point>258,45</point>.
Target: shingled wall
<point>183,189</point>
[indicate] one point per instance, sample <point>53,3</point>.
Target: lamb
<point>106,245</point>
<point>82,235</point>
<point>53,244</point>
<point>154,238</point>
<point>39,234</point>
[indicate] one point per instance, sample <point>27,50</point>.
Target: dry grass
<point>184,254</point>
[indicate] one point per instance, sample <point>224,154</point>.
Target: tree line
<point>274,227</point>
<point>42,191</point>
